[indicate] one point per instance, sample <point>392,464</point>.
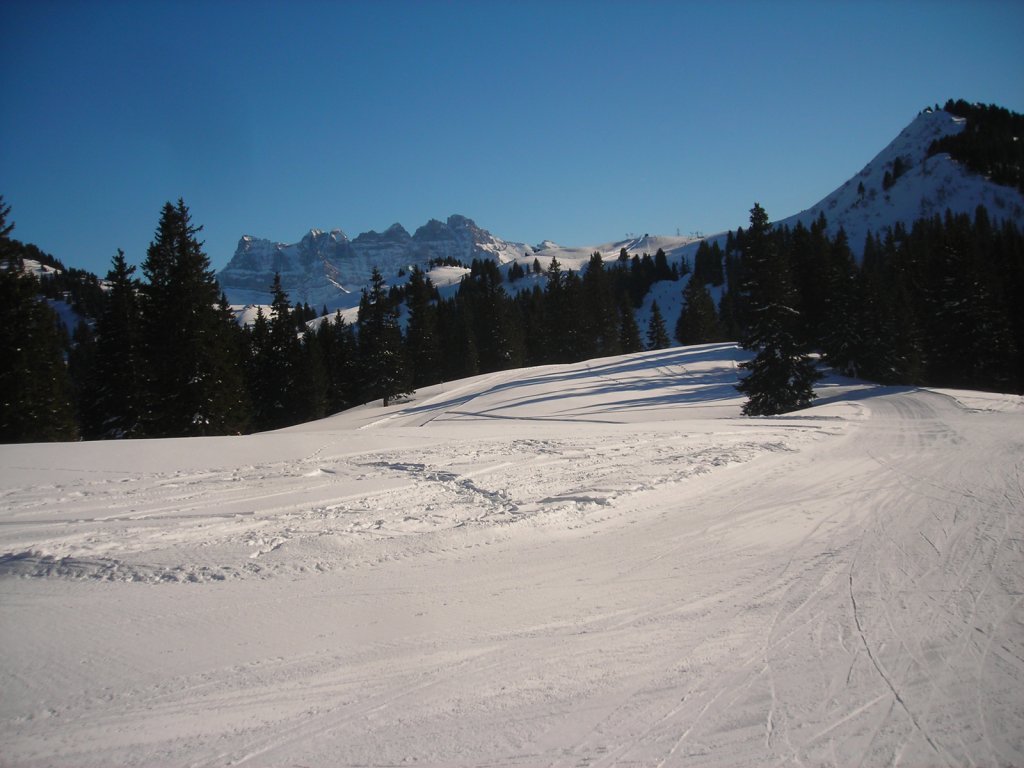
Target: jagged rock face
<point>328,268</point>
<point>306,267</point>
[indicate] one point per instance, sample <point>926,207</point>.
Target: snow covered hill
<point>595,564</point>
<point>921,186</point>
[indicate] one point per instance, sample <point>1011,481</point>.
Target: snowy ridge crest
<point>903,184</point>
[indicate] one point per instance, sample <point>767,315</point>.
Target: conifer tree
<point>35,390</point>
<point>661,268</point>
<point>629,331</point>
<point>337,343</point>
<point>698,322</point>
<point>380,345</point>
<point>840,333</point>
<point>192,381</point>
<point>81,363</point>
<point>118,404</point>
<point>531,306</point>
<point>457,330</point>
<point>274,362</point>
<point>781,376</point>
<point>310,380</point>
<point>482,297</point>
<point>600,319</point>
<point>657,334</point>
<point>232,397</point>
<point>422,350</point>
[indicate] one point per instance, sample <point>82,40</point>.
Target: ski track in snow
<point>592,565</point>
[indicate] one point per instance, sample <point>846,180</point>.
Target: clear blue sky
<point>570,121</point>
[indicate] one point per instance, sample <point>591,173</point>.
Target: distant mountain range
<point>900,184</point>
<point>329,268</point>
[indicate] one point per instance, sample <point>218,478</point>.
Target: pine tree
<point>600,318</point>
<point>629,331</point>
<point>81,362</point>
<point>698,322</point>
<point>118,405</point>
<point>661,268</point>
<point>35,390</point>
<point>337,344</point>
<point>481,296</point>
<point>531,308</point>
<point>310,380</point>
<point>274,362</point>
<point>192,380</point>
<point>380,345</point>
<point>422,352</point>
<point>781,376</point>
<point>840,333</point>
<point>456,329</point>
<point>231,398</point>
<point>657,334</point>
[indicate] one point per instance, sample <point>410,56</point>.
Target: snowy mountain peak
<point>396,233</point>
<point>330,269</point>
<point>903,184</point>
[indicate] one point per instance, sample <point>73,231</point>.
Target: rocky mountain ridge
<point>329,268</point>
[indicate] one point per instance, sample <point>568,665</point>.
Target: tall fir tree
<point>532,310</point>
<point>629,331</point>
<point>118,403</point>
<point>381,360</point>
<point>781,376</point>
<point>698,322</point>
<point>422,349</point>
<point>563,299</point>
<point>193,384</point>
<point>840,334</point>
<point>498,341</point>
<point>657,333</point>
<point>274,363</point>
<point>600,319</point>
<point>311,379</point>
<point>337,344</point>
<point>35,389</point>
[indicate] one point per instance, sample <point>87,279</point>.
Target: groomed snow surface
<point>589,565</point>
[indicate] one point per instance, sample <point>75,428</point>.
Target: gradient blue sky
<point>571,121</point>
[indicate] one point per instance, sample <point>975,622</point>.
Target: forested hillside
<point>930,302</point>
<point>992,142</point>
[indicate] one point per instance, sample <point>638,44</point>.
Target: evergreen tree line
<point>165,357</point>
<point>935,305</point>
<point>482,328</point>
<point>990,144</point>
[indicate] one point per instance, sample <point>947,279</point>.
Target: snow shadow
<point>673,377</point>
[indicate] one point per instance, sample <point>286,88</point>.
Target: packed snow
<point>580,565</point>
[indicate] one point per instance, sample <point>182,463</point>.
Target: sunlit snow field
<point>579,565</point>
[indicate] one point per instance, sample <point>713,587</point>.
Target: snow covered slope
<point>328,268</point>
<point>928,186</point>
<point>597,564</point>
